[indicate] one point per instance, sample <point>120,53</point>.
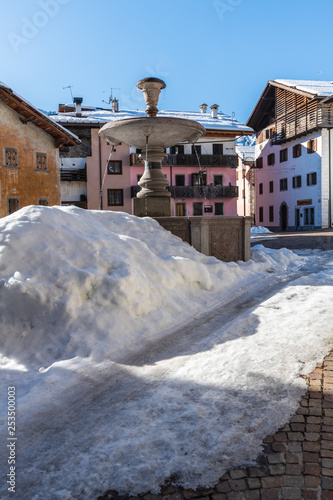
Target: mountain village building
<point>202,177</point>
<point>293,120</point>
<point>29,142</point>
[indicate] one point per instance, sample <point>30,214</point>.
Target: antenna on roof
<point>110,96</point>
<point>233,117</point>
<point>319,73</point>
<point>70,88</point>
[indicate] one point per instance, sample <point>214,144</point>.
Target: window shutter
<point>314,178</point>
<point>308,145</point>
<point>314,144</point>
<point>308,180</point>
<point>293,182</point>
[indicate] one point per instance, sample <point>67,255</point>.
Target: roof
<point>29,113</point>
<point>265,106</point>
<point>315,88</point>
<point>214,126</point>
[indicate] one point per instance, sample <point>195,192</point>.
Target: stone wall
<point>226,238</point>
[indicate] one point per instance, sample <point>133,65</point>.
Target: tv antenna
<point>319,73</point>
<point>110,96</point>
<point>70,88</point>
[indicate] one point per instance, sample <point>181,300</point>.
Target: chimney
<point>203,108</point>
<point>115,105</point>
<point>78,102</point>
<point>214,109</point>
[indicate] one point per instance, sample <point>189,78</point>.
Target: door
<point>297,218</point>
<point>197,208</point>
<point>284,217</point>
<point>180,209</point>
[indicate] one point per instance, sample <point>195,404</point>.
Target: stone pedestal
<point>153,207</point>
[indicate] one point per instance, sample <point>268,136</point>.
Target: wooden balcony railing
<point>191,160</point>
<point>73,175</point>
<point>206,192</point>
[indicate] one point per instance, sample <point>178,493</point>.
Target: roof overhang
<point>29,113</point>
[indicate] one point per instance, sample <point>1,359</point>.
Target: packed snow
<point>136,359</point>
<point>260,230</point>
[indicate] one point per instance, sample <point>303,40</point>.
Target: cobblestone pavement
<point>296,462</point>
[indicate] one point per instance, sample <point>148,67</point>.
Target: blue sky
<point>213,51</point>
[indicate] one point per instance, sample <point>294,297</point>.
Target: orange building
<point>29,145</point>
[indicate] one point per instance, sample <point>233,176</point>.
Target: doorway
<point>284,217</point>
<point>180,209</point>
<point>297,218</point>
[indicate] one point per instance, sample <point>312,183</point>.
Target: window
<point>283,155</point>
<point>271,213</point>
<point>261,188</point>
<point>13,205</point>
<point>309,216</point>
<point>259,162</point>
<point>267,133</point>
<point>218,180</point>
<point>312,146</point>
<point>115,197</point>
<point>180,180</point>
<point>297,181</point>
<point>44,203</point>
<point>196,150</point>
<point>197,208</point>
<point>271,159</point>
<point>177,150</point>
<point>217,149</point>
<point>283,184</point>
<point>115,167</point>
<point>208,209</point>
<point>138,151</point>
<point>219,208</point>
<point>11,158</point>
<point>311,179</point>
<point>199,179</point>
<point>41,162</point>
<point>297,151</point>
<point>261,214</point>
<point>271,186</point>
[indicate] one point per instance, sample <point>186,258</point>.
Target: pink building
<point>202,177</point>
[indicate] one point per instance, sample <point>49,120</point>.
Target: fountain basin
<point>162,132</point>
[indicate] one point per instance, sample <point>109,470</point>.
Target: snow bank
<point>259,230</point>
<point>84,283</point>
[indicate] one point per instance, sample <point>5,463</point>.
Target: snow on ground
<point>259,230</point>
<point>114,389</point>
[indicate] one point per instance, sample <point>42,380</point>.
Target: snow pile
<point>116,389</point>
<point>259,230</point>
<point>78,283</point>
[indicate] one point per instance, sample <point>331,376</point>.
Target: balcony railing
<point>73,175</point>
<point>206,192</point>
<point>191,160</point>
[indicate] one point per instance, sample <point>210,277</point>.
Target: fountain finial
<point>151,88</point>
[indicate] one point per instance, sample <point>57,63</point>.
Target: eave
<point>29,113</point>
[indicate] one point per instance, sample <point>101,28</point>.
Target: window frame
<point>311,179</point>
<point>220,204</point>
<point>271,213</point>
<point>9,199</point>
<point>271,186</point>
<point>114,162</point>
<point>43,204</point>
<point>115,191</point>
<point>297,150</point>
<point>297,181</point>
<point>12,150</point>
<point>284,184</point>
<point>283,155</point>
<point>312,146</point>
<point>41,155</point>
<point>271,159</point>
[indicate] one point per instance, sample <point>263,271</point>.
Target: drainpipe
<point>100,170</point>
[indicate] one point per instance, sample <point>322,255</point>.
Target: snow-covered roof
<point>38,117</point>
<point>247,153</point>
<point>314,87</point>
<point>222,123</point>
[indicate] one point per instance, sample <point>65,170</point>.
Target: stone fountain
<point>152,134</point>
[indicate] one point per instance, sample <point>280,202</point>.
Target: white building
<point>294,162</point>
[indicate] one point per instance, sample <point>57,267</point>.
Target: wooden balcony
<point>73,175</point>
<point>191,160</point>
<point>206,192</point>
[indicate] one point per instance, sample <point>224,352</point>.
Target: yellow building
<point>29,147</point>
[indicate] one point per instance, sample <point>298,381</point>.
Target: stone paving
<point>296,462</point>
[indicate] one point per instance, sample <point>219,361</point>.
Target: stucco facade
<point>29,168</point>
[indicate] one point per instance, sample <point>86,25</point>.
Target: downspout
<point>100,170</point>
